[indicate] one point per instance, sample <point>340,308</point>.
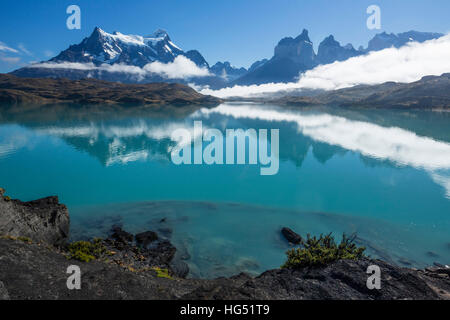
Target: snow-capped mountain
<point>384,40</point>
<point>111,48</point>
<point>127,58</point>
<point>134,58</point>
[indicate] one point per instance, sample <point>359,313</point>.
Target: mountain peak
<point>97,32</point>
<point>330,41</point>
<point>303,36</point>
<point>159,33</point>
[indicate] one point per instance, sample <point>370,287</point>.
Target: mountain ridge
<point>292,56</point>
<point>430,92</point>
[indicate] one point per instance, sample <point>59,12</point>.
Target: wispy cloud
<point>23,49</point>
<point>406,64</point>
<point>180,68</point>
<point>5,48</point>
<point>10,60</point>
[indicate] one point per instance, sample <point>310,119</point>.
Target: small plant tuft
<point>322,251</point>
<point>161,273</point>
<point>20,238</point>
<point>87,251</point>
<point>25,239</point>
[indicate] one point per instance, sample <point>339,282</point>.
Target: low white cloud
<point>180,68</point>
<point>406,64</point>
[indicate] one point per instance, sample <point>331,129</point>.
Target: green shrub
<point>86,251</point>
<point>161,273</point>
<point>322,251</point>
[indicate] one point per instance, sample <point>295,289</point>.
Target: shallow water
<point>383,174</point>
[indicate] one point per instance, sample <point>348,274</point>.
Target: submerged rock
<point>166,232</point>
<point>432,254</point>
<point>291,236</point>
<point>120,235</point>
<point>437,264</point>
<point>179,268</point>
<point>145,238</point>
<point>43,220</point>
<point>405,262</point>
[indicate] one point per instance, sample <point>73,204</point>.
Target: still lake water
<point>383,174</point>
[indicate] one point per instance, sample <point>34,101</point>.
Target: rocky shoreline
<point>35,255</point>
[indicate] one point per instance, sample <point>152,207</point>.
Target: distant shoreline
<point>35,91</point>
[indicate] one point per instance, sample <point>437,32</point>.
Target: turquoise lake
<point>384,174</point>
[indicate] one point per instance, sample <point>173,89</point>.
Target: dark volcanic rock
<point>29,271</point>
<point>291,236</point>
<point>162,252</point>
<point>179,268</point>
<point>3,292</point>
<point>120,235</point>
<point>43,220</point>
<point>33,271</point>
<point>146,237</point>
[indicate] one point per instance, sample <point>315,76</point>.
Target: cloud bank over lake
<point>180,68</point>
<point>406,64</point>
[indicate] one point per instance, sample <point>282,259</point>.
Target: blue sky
<point>240,31</point>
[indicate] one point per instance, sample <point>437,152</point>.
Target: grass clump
<point>20,238</point>
<point>24,239</point>
<point>86,250</point>
<point>321,251</point>
<point>161,273</point>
